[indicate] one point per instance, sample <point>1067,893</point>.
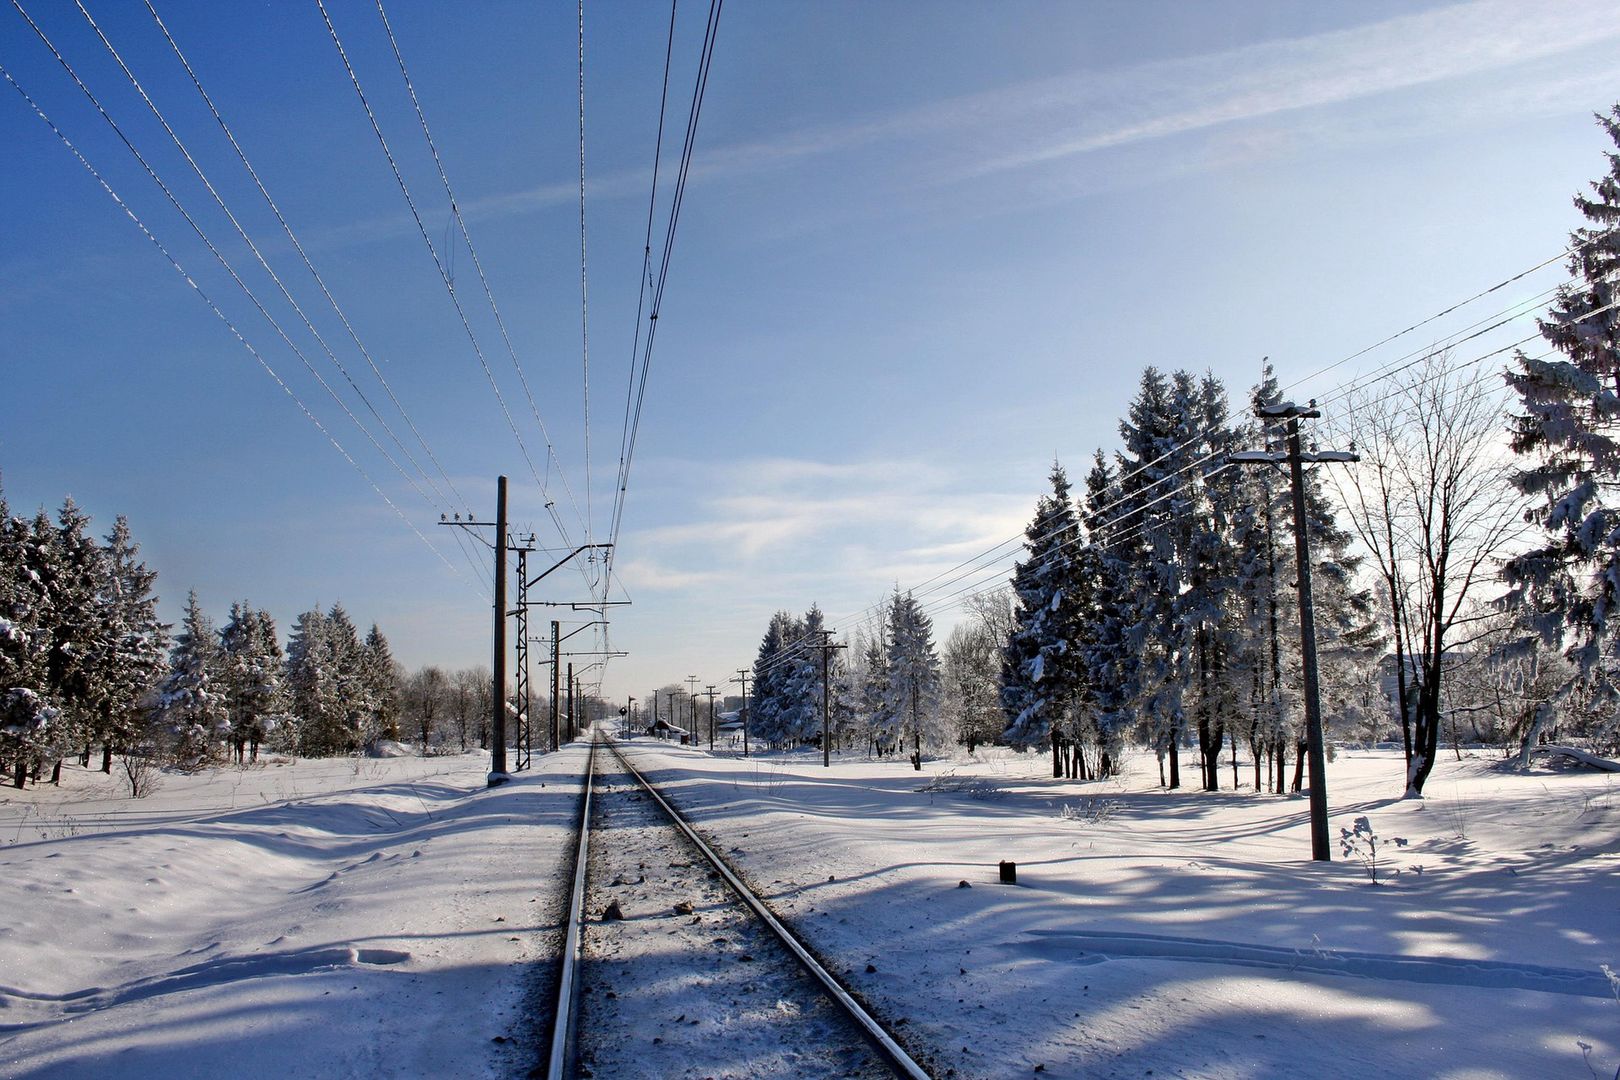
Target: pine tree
<point>1152,542</point>
<point>1107,654</point>
<point>1041,668</point>
<point>1567,587</point>
<point>253,676</point>
<point>27,715</point>
<point>913,683</point>
<point>136,642</point>
<point>317,727</point>
<point>190,700</point>
<point>382,684</point>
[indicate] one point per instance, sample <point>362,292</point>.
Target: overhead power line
<point>438,262</point>
<point>450,485</point>
<point>987,575</point>
<point>552,460</point>
<point>231,326</point>
<point>259,257</point>
<point>694,113</point>
<point>190,220</point>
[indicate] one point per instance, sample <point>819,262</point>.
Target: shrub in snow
<point>1362,843</point>
<point>1090,811</point>
<point>973,787</point>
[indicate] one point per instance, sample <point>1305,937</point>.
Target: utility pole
<point>497,730</point>
<point>629,717</point>
<point>554,677</point>
<point>1296,460</point>
<point>743,677</point>
<point>497,721</point>
<point>709,690</point>
<point>570,700</point>
<point>691,695</point>
<point>826,648</point>
<point>522,741</point>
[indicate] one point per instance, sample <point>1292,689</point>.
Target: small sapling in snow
<point>1361,843</point>
<point>1090,811</point>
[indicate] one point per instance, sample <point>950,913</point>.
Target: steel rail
<point>896,1055</point>
<point>562,1026</point>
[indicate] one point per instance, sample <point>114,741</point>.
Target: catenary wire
<point>553,461</point>
<point>693,114</point>
<point>438,262</point>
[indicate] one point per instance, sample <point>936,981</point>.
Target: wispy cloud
<point>787,528</point>
<point>1032,124</point>
<point>1039,121</point>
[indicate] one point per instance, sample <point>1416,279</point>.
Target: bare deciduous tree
<point>1430,501</point>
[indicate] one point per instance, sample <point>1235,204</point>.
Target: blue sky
<point>923,250</point>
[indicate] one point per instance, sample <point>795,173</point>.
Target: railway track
<point>672,966</point>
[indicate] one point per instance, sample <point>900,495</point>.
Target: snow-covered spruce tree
<point>1152,538</point>
<point>254,677</point>
<point>79,634</point>
<point>1041,675</point>
<point>880,724</point>
<point>913,684</point>
<point>1206,618</point>
<point>190,700</point>
<point>773,670</point>
<point>381,677</point>
<point>1567,587</point>
<point>43,589</point>
<point>26,714</point>
<point>317,726</point>
<point>799,710</point>
<point>1106,651</point>
<point>135,643</point>
<point>355,706</point>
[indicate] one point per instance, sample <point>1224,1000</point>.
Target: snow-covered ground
<point>369,918</point>
<point>1187,933</point>
<point>387,918</point>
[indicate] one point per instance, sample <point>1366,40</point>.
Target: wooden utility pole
<point>709,691</point>
<point>1296,460</point>
<point>743,677</point>
<point>826,648</point>
<point>497,728</point>
<point>691,695</point>
<point>497,719</point>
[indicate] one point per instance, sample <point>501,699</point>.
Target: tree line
<point>86,664</point>
<point>1456,586</point>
